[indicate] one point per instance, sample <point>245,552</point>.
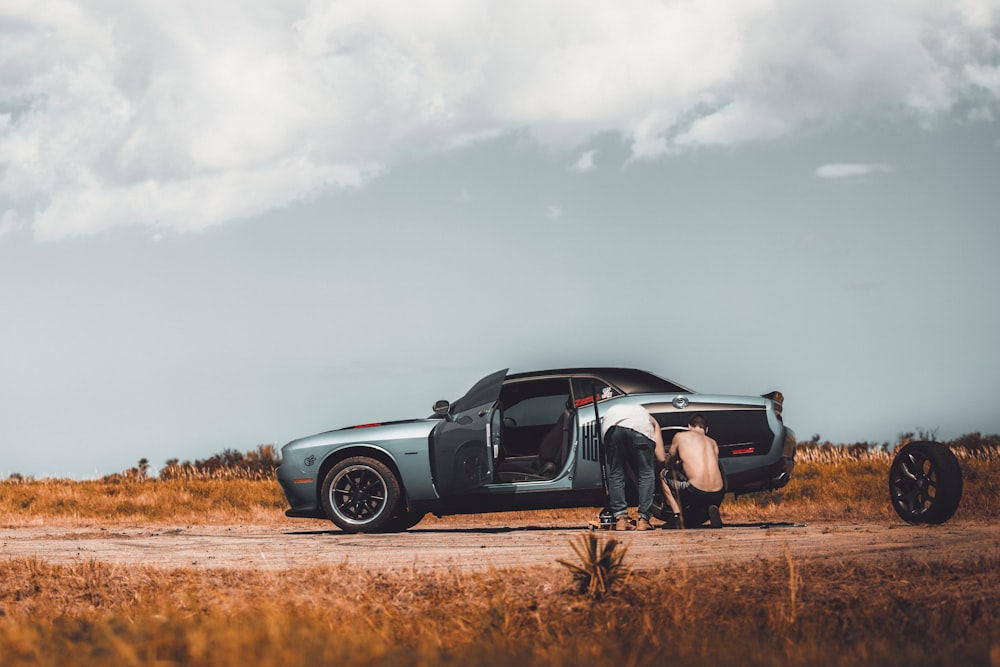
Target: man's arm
<point>658,450</point>
<point>674,444</point>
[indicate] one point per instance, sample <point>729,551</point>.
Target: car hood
<point>368,433</point>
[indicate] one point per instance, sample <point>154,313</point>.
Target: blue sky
<point>235,225</point>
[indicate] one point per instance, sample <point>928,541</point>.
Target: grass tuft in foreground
<point>601,565</point>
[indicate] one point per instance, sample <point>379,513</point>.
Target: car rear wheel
<point>660,509</point>
<point>925,483</point>
<point>360,494</point>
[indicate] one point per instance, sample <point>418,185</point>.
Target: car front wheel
<point>925,483</point>
<point>360,494</point>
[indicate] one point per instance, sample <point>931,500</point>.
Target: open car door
<point>462,455</point>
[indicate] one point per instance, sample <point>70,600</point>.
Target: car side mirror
<point>442,407</point>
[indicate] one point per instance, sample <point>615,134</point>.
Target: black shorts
<point>693,501</point>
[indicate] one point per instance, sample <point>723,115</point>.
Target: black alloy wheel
<point>925,483</point>
<point>360,494</point>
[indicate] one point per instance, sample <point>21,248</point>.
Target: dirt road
<point>425,547</point>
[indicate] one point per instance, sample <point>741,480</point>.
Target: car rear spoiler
<point>777,398</point>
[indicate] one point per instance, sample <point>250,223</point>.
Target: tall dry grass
<point>141,500</point>
<point>763,613</point>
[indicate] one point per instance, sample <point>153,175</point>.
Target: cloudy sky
<point>239,222</point>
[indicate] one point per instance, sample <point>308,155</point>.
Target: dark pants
<point>693,501</point>
<point>625,445</point>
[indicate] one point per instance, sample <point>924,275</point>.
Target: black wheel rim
<point>914,483</point>
<point>358,494</point>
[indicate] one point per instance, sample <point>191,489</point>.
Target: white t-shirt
<point>633,417</point>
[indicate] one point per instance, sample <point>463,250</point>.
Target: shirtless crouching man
<point>701,493</point>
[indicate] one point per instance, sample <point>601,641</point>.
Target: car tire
<point>360,494</point>
<point>660,509</point>
<point>925,483</point>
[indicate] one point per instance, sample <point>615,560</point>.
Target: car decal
<point>606,393</point>
<point>373,424</point>
<point>590,445</point>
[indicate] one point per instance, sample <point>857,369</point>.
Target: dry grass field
<point>785,611</point>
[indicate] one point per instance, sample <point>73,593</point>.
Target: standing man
<point>630,433</point>
<point>701,487</point>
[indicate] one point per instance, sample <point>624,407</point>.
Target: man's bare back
<point>700,456</point>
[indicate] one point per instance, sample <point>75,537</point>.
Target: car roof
<point>629,380</point>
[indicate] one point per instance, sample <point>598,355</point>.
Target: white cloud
<point>189,114</point>
<point>553,212</point>
<point>851,172</point>
<point>585,162</point>
<point>985,77</point>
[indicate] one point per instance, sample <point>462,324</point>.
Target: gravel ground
<point>469,547</point>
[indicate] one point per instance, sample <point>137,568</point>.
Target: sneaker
<point>623,523</point>
<point>714,519</point>
<point>643,524</point>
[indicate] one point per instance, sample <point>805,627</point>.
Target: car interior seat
<point>552,451</point>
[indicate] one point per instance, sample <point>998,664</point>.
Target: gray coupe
<point>521,441</point>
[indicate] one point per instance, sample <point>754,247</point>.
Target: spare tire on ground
<point>925,482</point>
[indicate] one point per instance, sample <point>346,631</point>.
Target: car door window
<point>530,409</point>
<point>584,389</point>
